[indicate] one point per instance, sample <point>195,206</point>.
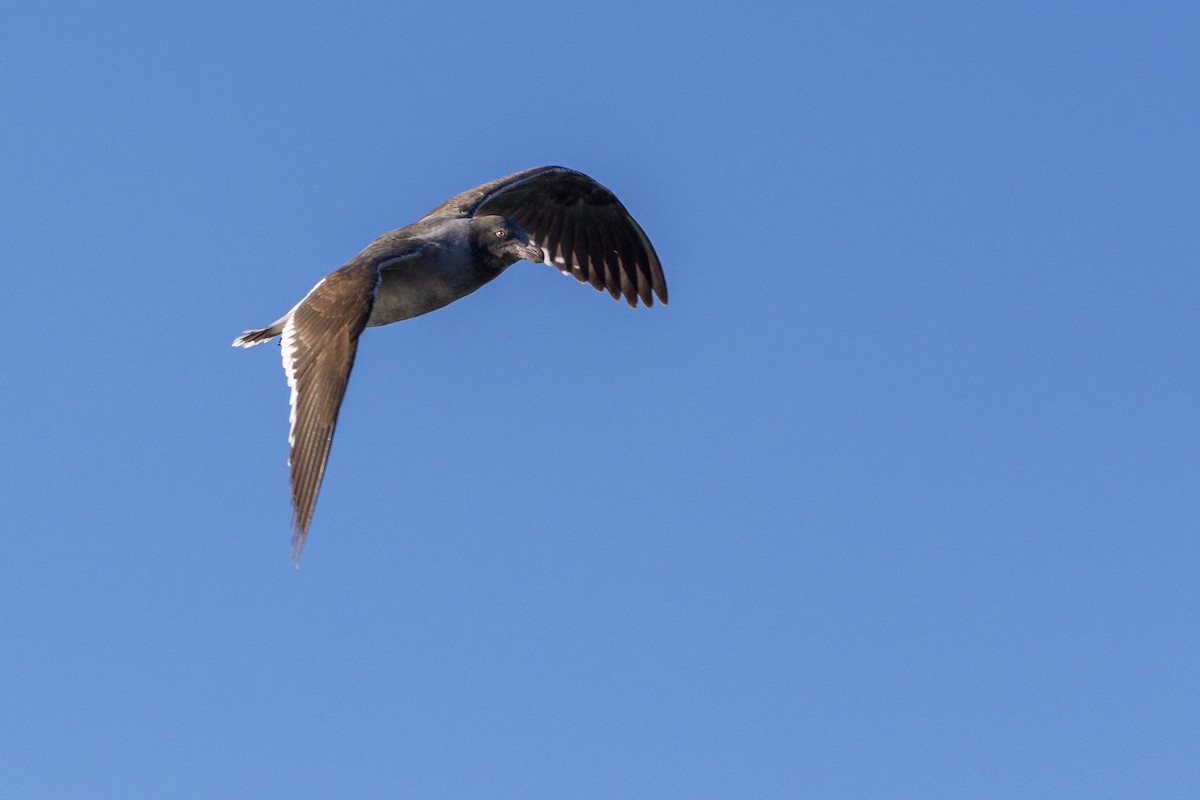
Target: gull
<point>550,214</point>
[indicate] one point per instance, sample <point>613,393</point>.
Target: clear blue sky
<point>898,498</point>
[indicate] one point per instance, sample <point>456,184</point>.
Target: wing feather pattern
<point>319,343</point>
<point>575,219</point>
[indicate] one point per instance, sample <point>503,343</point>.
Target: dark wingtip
<point>300,523</point>
<point>298,537</point>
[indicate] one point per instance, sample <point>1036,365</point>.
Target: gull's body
<point>547,213</point>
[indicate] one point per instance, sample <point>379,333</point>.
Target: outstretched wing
<point>582,226</point>
<point>318,345</point>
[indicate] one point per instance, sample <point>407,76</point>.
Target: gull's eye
<point>501,233</point>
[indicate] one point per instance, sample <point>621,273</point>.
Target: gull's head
<point>503,242</point>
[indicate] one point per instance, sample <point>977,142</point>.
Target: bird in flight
<point>550,214</point>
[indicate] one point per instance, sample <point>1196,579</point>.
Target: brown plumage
<point>548,213</point>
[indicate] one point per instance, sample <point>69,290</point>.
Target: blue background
<point>897,498</point>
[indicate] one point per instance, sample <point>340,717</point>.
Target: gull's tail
<point>259,335</point>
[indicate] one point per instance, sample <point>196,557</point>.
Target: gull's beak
<point>531,252</point>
